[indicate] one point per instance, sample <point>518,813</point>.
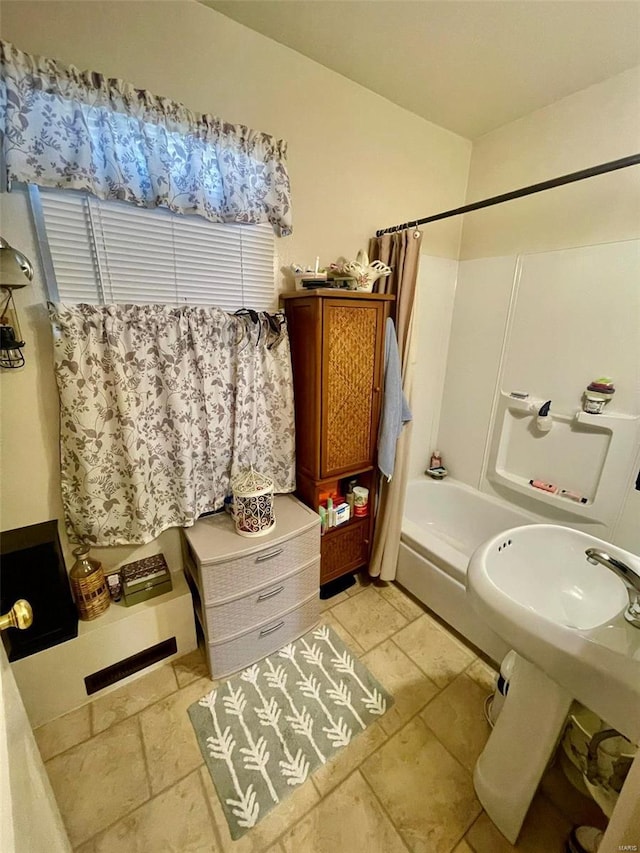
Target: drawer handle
<point>263,557</point>
<point>266,595</point>
<point>273,628</point>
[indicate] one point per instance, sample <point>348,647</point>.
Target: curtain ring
<point>417,233</point>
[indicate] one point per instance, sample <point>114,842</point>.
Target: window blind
<point>106,251</point>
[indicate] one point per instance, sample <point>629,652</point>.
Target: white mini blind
<point>109,251</point>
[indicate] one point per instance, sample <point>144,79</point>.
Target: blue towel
<point>395,409</point>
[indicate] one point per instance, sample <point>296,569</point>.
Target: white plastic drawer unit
<point>248,585</point>
<point>239,652</point>
<point>243,612</point>
<point>238,575</point>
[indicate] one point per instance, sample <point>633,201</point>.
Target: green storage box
<point>144,579</point>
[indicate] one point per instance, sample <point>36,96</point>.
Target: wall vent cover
<point>117,671</point>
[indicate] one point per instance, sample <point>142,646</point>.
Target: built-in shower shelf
<point>606,421</point>
<point>586,453</point>
<point>531,407</point>
<point>522,485</point>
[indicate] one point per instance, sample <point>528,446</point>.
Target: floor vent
<point>117,671</point>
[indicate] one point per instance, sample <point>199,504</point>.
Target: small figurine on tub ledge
<point>436,469</point>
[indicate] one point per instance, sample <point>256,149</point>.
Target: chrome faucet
<point>627,575</point>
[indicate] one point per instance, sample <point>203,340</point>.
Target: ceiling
<point>467,65</point>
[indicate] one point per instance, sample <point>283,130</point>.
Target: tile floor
<point>129,776</point>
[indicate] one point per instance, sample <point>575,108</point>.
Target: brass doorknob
<point>20,616</point>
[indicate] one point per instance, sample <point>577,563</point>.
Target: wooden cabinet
<point>337,350</point>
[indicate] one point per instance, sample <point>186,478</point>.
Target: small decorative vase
<point>88,585</point>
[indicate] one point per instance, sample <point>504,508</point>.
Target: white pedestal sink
<point>564,617</point>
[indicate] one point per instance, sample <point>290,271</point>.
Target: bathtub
<point>444,522</point>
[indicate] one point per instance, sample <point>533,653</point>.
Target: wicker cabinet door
<point>351,367</point>
<point>344,549</point>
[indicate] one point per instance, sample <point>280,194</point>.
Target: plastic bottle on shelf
<point>331,518</point>
<point>436,460</point>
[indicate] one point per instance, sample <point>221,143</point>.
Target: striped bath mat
<point>263,731</point>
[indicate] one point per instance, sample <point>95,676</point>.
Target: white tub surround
<point>443,524</point>
<point>551,329</point>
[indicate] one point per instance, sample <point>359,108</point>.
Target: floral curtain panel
<point>73,129</point>
<point>160,408</point>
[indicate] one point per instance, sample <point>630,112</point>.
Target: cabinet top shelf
<point>337,293</point>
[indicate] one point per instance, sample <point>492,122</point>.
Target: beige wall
<point>357,163</point>
<point>593,126</point>
<point>596,125</point>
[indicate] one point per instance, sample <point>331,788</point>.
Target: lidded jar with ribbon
<point>597,395</point>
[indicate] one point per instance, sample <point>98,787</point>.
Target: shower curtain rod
<point>603,168</point>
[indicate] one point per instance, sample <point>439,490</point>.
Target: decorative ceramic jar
<point>365,274</point>
<point>358,274</point>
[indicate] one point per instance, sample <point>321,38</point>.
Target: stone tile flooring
<point>129,776</point>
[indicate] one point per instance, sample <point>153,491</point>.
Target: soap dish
<point>438,473</point>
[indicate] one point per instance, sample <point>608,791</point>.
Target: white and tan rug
<point>263,731</point>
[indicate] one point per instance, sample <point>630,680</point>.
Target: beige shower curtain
<point>401,251</point>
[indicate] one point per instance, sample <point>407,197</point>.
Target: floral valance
<point>160,407</point>
<point>66,128</point>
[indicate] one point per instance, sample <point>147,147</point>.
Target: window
<point>109,251</point>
